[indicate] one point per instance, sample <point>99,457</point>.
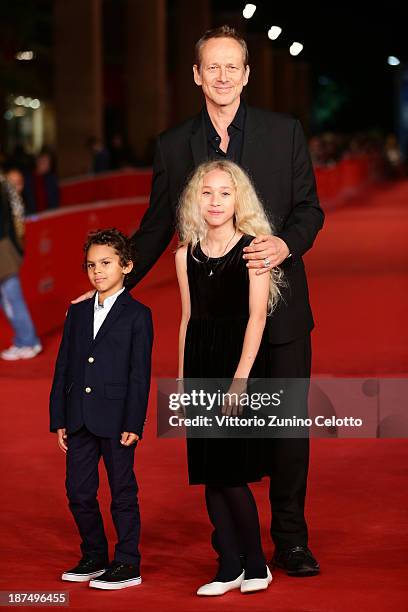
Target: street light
<point>274,32</point>
<point>393,61</point>
<point>24,55</point>
<point>295,48</point>
<point>249,11</point>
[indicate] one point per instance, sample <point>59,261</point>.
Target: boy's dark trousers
<point>82,481</point>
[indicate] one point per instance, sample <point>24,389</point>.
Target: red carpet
<point>357,496</point>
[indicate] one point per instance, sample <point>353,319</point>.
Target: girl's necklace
<point>212,268</point>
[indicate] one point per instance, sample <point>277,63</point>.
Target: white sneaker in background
<point>13,353</point>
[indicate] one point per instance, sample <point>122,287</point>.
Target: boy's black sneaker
<point>86,569</point>
<point>118,576</point>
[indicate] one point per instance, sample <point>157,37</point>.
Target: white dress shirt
<point>101,310</point>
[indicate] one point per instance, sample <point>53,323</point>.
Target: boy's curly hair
<point>113,238</point>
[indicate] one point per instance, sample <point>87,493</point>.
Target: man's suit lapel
<point>198,140</point>
<point>250,146</point>
<point>260,159</point>
<point>121,301</point>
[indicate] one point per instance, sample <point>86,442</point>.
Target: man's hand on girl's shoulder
<point>265,252</point>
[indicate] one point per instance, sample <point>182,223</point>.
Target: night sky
<point>346,45</point>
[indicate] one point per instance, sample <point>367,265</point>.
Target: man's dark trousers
<point>287,459</point>
<point>82,481</point>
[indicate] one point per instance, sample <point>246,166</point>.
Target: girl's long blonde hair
<point>250,217</point>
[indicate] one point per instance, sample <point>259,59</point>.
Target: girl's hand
<point>62,439</point>
<point>127,438</point>
<point>232,405</point>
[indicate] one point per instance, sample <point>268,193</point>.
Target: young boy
<point>98,406</point>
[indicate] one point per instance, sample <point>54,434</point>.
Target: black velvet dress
<point>213,346</point>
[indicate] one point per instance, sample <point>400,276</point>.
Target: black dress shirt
<point>236,136</point>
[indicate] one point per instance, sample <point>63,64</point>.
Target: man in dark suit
<point>271,147</point>
<point>98,406</point>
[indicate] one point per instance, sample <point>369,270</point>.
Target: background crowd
<point>35,176</point>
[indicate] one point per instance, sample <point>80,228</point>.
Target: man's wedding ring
<point>267,263</point>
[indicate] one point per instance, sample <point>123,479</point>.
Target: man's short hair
<point>223,31</point>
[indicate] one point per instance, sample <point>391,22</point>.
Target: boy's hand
<point>62,439</point>
<point>84,296</point>
<point>127,438</point>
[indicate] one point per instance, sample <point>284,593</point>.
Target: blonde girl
<point>222,335</point>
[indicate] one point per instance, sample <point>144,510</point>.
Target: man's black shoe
<point>297,561</point>
<point>117,576</point>
<point>86,569</point>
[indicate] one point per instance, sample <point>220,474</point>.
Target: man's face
<point>222,74</point>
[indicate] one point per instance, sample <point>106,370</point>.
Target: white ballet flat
<point>256,584</point>
<point>220,588</point>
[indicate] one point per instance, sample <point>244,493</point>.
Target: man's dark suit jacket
<point>276,157</point>
<point>114,368</point>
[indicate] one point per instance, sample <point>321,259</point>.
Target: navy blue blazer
<point>103,383</point>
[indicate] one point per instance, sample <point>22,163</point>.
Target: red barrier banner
<point>338,182</point>
<point>334,182</point>
<point>109,186</point>
<point>51,274</point>
<point>52,270</point>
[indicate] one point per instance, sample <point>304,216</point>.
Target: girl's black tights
<point>234,515</point>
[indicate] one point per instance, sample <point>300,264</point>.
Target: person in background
<point>101,160</point>
<point>21,159</point>
<point>16,178</point>
<point>26,343</point>
<point>120,153</point>
<point>316,149</point>
<point>41,191</point>
<point>394,166</point>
